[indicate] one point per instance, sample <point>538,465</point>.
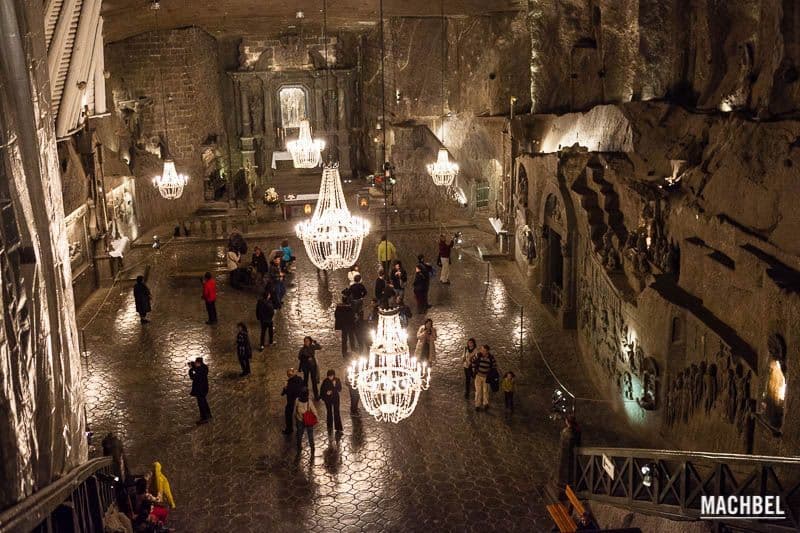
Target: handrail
<point>677,454</point>
<point>28,513</point>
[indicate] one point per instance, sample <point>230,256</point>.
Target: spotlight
<point>458,238</point>
<point>107,478</point>
<point>649,474</point>
<point>156,242</point>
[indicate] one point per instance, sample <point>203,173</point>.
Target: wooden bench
<point>562,515</point>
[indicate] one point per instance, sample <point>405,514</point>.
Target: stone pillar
<point>345,165</point>
<point>247,147</point>
<point>244,111</point>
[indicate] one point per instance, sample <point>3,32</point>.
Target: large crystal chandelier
<point>306,152</point>
<point>389,381</point>
<point>333,236</point>
<point>170,184</point>
<point>443,171</point>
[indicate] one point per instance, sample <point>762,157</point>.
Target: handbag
<point>309,418</point>
<point>493,379</point>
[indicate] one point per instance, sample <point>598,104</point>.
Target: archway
<point>556,279</point>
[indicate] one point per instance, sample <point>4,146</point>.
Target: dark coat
<point>294,386</point>
<point>421,282</point>
<point>327,387</point>
<point>344,318</point>
<point>243,348</point>
<point>399,278</point>
<point>380,286</point>
<point>357,291</point>
<point>260,263</point>
<point>199,375</point>
<point>141,295</point>
<point>306,356</point>
<point>264,311</point>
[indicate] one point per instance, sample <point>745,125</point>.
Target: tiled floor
<point>447,468</point>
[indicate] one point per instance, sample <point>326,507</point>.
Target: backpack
<point>309,418</point>
<point>493,379</point>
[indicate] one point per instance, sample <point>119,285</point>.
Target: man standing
<point>344,320</point>
<point>141,295</point>
<point>380,285</point>
<point>210,297</point>
<point>386,253</point>
<point>265,313</point>
<point>294,385</point>
<point>198,372</point>
<point>331,388</point>
<point>482,365</point>
<point>444,259</point>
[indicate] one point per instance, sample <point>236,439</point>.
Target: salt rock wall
<point>42,427</point>
<point>191,97</point>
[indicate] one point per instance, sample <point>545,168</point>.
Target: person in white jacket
<point>426,342</point>
<point>301,406</point>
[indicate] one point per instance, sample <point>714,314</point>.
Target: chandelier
<point>389,381</point>
<point>443,171</point>
<point>306,152</point>
<point>170,184</point>
<point>332,237</point>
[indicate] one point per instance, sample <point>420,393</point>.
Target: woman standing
<point>399,279</point>
<point>331,389</point>
<point>426,342</point>
<point>244,350</point>
<point>466,361</point>
<point>305,423</point>
<point>141,296</point>
<point>308,364</point>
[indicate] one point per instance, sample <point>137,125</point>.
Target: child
<point>508,390</point>
<point>287,257</point>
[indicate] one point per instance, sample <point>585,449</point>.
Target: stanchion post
<point>487,274</point>
<point>82,342</point>
<point>521,326</point>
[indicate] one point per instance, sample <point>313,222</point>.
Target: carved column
<point>247,146</point>
<point>318,120</point>
<point>342,82</point>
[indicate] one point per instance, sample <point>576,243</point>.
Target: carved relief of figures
<point>608,253</point>
<point>627,386</point>
<point>649,398</point>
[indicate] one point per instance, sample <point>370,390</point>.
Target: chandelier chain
<point>156,7</point>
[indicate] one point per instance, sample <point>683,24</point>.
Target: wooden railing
<point>675,481</point>
<point>76,502</point>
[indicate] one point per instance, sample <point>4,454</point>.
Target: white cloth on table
<point>280,156</point>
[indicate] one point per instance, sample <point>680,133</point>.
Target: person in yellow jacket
<point>386,253</point>
<point>159,486</point>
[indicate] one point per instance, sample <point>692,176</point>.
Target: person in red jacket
<point>210,297</point>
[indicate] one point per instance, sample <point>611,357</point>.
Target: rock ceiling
<point>124,18</point>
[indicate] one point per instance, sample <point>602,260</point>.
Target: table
<point>295,204</point>
<point>280,156</point>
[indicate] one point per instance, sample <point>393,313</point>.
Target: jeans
<point>288,414</point>
<point>334,419</point>
<point>348,335</point>
<point>301,428</point>
<point>267,327</point>
<point>509,400</point>
<point>211,308</point>
<point>244,362</point>
<point>444,277</point>
<point>467,381</point>
<point>481,391</point>
<point>312,372</point>
<point>205,410</point>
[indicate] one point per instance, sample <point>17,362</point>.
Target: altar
<point>299,205</point>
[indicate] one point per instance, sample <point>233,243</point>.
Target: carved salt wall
<point>42,431</point>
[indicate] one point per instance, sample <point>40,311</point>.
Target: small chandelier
<point>170,184</point>
<point>332,237</point>
<point>389,381</point>
<point>306,152</point>
<point>443,171</point>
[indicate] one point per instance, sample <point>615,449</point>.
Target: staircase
<point>601,203</point>
<point>675,481</point>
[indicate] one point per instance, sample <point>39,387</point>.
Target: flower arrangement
<point>271,196</point>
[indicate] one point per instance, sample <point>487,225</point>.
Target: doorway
<point>555,270</point>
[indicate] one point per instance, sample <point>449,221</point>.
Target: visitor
<point>330,390</point>
<point>482,365</point>
<point>276,276</point>
<point>259,264</point>
<point>386,253</point>
<point>198,372</point>
<point>146,521</point>
<point>141,297</point>
<point>233,259</point>
<point>421,289</point>
<point>287,255</point>
<point>142,497</point>
<point>294,385</point>
<point>380,285</point>
<point>399,279</point>
<point>444,259</point>
<point>305,423</point>
<point>244,350</point>
<point>159,486</point>
<point>351,275</point>
<point>357,292</point>
<point>308,364</point>
<point>404,312</point>
<point>426,342</point>
<point>354,399</point>
<point>507,386</point>
<point>236,242</point>
<point>388,298</point>
<point>265,313</point>
<point>210,297</point>
<point>466,361</point>
<point>112,447</point>
<point>344,320</point>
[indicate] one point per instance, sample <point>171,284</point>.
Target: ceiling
<point>124,18</point>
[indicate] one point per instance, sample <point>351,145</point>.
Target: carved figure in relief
<point>742,394</point>
<point>710,387</point>
<point>730,400</point>
<point>639,360</point>
<point>627,386</point>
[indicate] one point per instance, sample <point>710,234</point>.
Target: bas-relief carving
<point>255,99</point>
<point>720,385</point>
<point>649,249</point>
